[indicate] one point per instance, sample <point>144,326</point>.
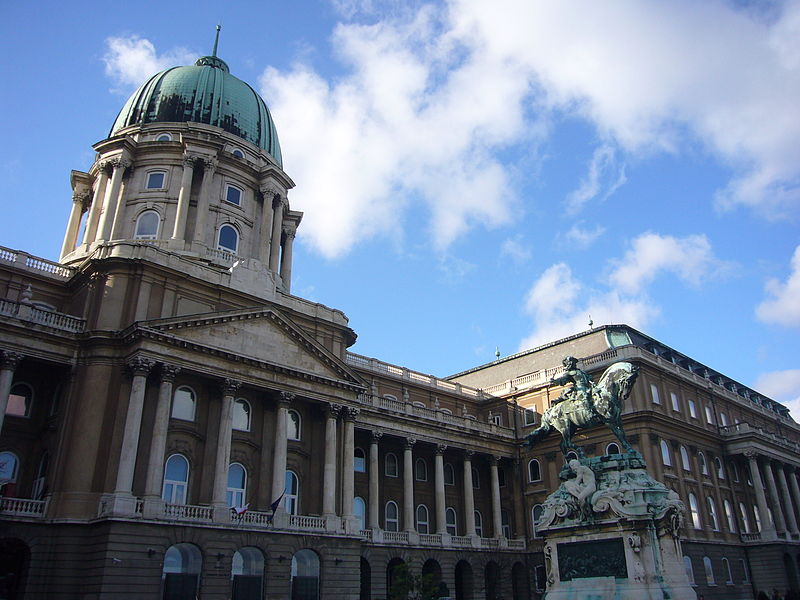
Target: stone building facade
<point>175,423</point>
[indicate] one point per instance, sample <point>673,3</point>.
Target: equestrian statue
<point>586,404</point>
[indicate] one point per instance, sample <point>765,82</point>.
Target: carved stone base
<point>621,543</point>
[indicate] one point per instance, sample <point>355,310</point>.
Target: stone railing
<point>490,543</point>
<point>221,256</point>
<point>750,537</point>
<point>731,432</point>
<point>366,534</point>
<point>187,512</point>
<point>306,523</point>
<point>48,318</point>
<point>439,540</point>
<point>430,539</point>
<point>461,541</point>
<point>23,507</point>
<point>395,537</point>
<point>28,262</point>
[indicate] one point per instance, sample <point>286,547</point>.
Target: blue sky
<point>475,174</point>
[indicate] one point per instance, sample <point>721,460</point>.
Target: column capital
<point>468,454</point>
<point>10,360</point>
<point>332,410</point>
<point>410,443</point>
<point>350,413</point>
<point>190,159</point>
<point>279,200</point>
<point>440,448</point>
<point>290,230</point>
<point>139,365</point>
<point>117,162</point>
<point>230,386</point>
<point>209,164</point>
<point>81,195</point>
<point>751,454</point>
<point>376,436</point>
<point>270,190</point>
<point>286,398</point>
<point>169,372</point>
<point>494,459</point>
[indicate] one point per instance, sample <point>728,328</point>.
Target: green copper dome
<point>203,93</point>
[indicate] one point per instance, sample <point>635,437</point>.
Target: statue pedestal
<point>621,543</point>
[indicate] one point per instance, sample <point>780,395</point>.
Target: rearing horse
<point>584,406</point>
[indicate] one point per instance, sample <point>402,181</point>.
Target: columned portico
<point>279,449</point>
<point>8,364</point>
<point>767,527</point>
<point>497,520</point>
<point>775,502</point>
<point>329,468</point>
<point>179,230</point>
<point>791,521</point>
<point>441,521</point>
<point>350,414</point>
<point>104,228</point>
<point>80,198</point>
<point>469,499</point>
<point>203,202</point>
<point>96,207</point>
<point>223,457</point>
<point>794,488</point>
<point>277,229</point>
<point>289,232</point>
<point>408,485</point>
<point>374,481</point>
<point>158,442</point>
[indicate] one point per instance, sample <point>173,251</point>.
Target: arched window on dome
<point>147,225</point>
<point>237,153</point>
<point>164,137</point>
<point>228,239</point>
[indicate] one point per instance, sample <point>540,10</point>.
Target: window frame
<point>451,525</point>
<point>359,461</point>
<point>163,137</point>
<point>361,516</point>
<point>476,479</point>
<point>535,519</point>
<point>689,568</point>
<point>422,523</point>
<point>395,521</point>
<point>692,409</point>
<point>225,197</point>
<point>291,501</point>
<point>654,395</point>
<point>478,522</point>
<point>538,471</point>
<point>708,567</point>
<point>529,417</point>
<point>694,511</point>
<point>686,462</point>
<point>175,483</point>
<point>666,453</point>
<point>702,462</point>
<point>730,515</point>
<point>150,174</point>
<point>222,248</point>
<point>676,404</point>
<point>712,512</point>
<point>420,469</point>
<point>248,411</point>
<point>236,497</point>
<point>449,474</point>
<point>387,462</point>
<point>194,404</point>
<point>294,427</point>
<point>28,399</point>
<point>147,236</point>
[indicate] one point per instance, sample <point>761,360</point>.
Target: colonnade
<point>783,492</point>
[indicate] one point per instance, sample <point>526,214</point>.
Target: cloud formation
<point>783,305</point>
<point>603,178</point>
<point>783,386</point>
<point>130,60</point>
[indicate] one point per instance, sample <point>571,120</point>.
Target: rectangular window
<point>654,394</point>
<point>233,195</point>
<point>530,416</point>
<point>724,419</point>
<point>709,415</point>
<point>692,409</point>
<point>494,419</point>
<point>155,180</point>
<point>675,402</point>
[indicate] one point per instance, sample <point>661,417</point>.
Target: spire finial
<point>216,41</point>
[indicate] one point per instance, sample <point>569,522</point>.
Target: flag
<point>240,510</point>
<point>274,506</point>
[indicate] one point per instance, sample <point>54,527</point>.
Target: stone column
<point>795,488</point>
<point>348,487</point>
<point>277,229</point>
<point>79,199</point>
<point>329,470</point>
<point>223,458</point>
<point>111,198</point>
<point>441,520</point>
<point>179,231</point>
<point>791,521</point>
<point>775,501</point>
<point>469,499</point>
<point>286,257</point>
<point>97,203</point>
<point>497,520</point>
<point>158,442</point>
<point>408,485</point>
<point>203,202</point>
<point>374,481</point>
<point>8,364</point>
<point>268,192</point>
<point>761,500</point>
<point>279,452</point>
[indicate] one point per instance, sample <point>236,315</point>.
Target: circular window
<point>164,137</point>
<point>238,153</point>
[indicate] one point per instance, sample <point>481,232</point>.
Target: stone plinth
<point>612,532</point>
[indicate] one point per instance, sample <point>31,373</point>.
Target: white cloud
<point>783,306</point>
<point>560,306</point>
<point>583,237</point>
<point>690,258</point>
<point>516,249</point>
<point>131,60</point>
<point>783,386</point>
<point>603,178</point>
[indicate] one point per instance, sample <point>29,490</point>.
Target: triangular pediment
<point>260,334</point>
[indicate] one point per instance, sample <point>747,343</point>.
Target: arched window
<point>9,469</point>
<point>451,520</point>
<point>571,455</point>
<point>449,474</point>
<point>237,153</point>
<point>20,400</point>
<point>247,573</point>
<point>536,514</point>
<point>709,569</point>
<point>726,570</point>
<point>701,459</point>
<point>293,425</point>
<point>421,470</point>
<point>757,517</point>
<point>719,467</point>
<point>666,455</point>
<point>237,485</point>
<point>612,448</point>
<point>476,479</point>
<point>181,572</point>
<point>391,522</point>
<point>478,523</point>
<point>723,418</point>
<point>422,519</point>
<point>390,465</point>
<point>176,479</point>
<point>291,498</point>
<point>712,512</point>
<point>687,466</point>
<point>359,461</point>
<point>156,180</point>
<point>41,477</point>
<point>164,137</point>
<point>745,518</point>
<point>305,575</point>
<point>501,476</point>
<point>360,512</point>
<point>228,239</point>
<point>183,404</point>
<point>505,523</point>
<point>233,194</point>
<point>241,414</point>
<point>729,516</point>
<point>534,472</point>
<point>692,409</point>
<point>147,225</point>
<point>694,509</point>
<point>687,565</point>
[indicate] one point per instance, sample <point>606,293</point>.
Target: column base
<point>221,513</point>
<point>476,540</point>
<point>413,537</point>
<point>118,504</point>
<point>333,523</point>
<point>351,524</point>
<point>153,508</point>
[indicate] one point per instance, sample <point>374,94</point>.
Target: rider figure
<point>581,384</point>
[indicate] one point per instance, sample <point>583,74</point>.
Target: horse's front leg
<point>567,444</point>
<point>616,429</point>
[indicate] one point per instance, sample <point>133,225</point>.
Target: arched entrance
<point>14,558</point>
<point>181,572</point>
<point>519,582</point>
<point>464,581</point>
<point>305,575</point>
<point>432,580</point>
<point>366,579</point>
<point>791,571</point>
<point>397,579</point>
<point>247,574</point>
<point>492,580</point>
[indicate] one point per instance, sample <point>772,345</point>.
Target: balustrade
<point>23,507</point>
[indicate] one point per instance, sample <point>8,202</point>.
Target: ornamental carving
<point>269,190</point>
<point>190,160</point>
<point>290,230</point>
<point>209,165</point>
<point>140,366</point>
<point>118,163</point>
<point>440,448</point>
<point>333,410</point>
<point>410,443</point>
<point>286,398</point>
<point>350,413</point>
<point>468,454</point>
<point>376,436</point>
<point>230,386</point>
<point>10,360</point>
<point>169,372</point>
